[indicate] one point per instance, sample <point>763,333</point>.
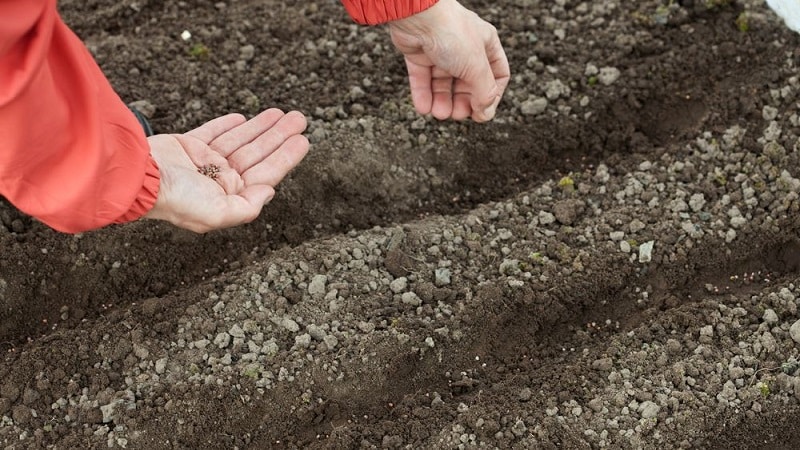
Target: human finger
<point>212,129</point>
<point>491,78</point>
<point>462,101</point>
<point>442,91</point>
<point>245,133</point>
<point>419,79</point>
<point>274,168</point>
<point>288,126</point>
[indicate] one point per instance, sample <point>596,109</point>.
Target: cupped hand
<point>222,174</point>
<point>456,64</point>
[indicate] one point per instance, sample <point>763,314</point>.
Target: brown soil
<point>70,306</point>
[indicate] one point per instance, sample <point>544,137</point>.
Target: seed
<point>210,170</point>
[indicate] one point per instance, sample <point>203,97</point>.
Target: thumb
<point>482,87</point>
<point>491,77</point>
<point>485,97</point>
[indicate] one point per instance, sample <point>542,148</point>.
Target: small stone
<point>696,202</point>
<point>567,211</point>
<point>519,429</point>
<point>303,341</point>
<point>794,331</point>
<point>222,340</point>
<point>366,327</point>
<point>330,341</point>
<point>673,346</point>
<point>603,364</point>
<point>734,373</point>
<point>546,218</point>
<point>236,331</point>
<point>442,276</point>
<point>109,410</point>
<point>738,222</point>
<point>616,235</point>
<point>510,267</point>
<point>646,252</point>
<point>410,298</point>
<point>649,410</point>
<point>533,107</point>
<point>608,75</point>
<point>769,112</point>
<point>140,351</point>
<point>770,317</point>
<point>636,226</point>
<point>161,366</point>
<point>317,285</point>
<point>398,285</point>
<point>247,52</point>
<point>316,332</point>
<point>290,325</point>
<point>768,342</point>
<point>525,395</point>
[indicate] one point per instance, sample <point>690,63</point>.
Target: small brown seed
<point>210,170</point>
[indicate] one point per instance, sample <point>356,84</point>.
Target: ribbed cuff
<point>375,12</point>
<point>147,196</point>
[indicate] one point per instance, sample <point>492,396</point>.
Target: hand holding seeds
<point>221,174</point>
<point>457,67</point>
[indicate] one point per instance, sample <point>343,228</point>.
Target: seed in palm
<point>210,170</point>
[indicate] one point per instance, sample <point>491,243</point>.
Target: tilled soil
<point>613,262</point>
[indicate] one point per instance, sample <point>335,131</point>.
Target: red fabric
<point>374,12</point>
<point>71,153</point>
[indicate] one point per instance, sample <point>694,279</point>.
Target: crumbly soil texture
<point>613,262</point>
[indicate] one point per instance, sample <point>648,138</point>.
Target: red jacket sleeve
<point>374,12</point>
<point>71,153</point>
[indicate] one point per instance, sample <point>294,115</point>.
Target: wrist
<point>375,12</point>
<point>427,21</point>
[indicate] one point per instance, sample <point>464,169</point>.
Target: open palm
<point>249,158</point>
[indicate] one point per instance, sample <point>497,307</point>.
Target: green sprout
<point>199,51</point>
<point>791,366</point>
<point>252,371</point>
<point>567,183</point>
<point>763,387</point>
<point>743,23</point>
<point>661,16</point>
